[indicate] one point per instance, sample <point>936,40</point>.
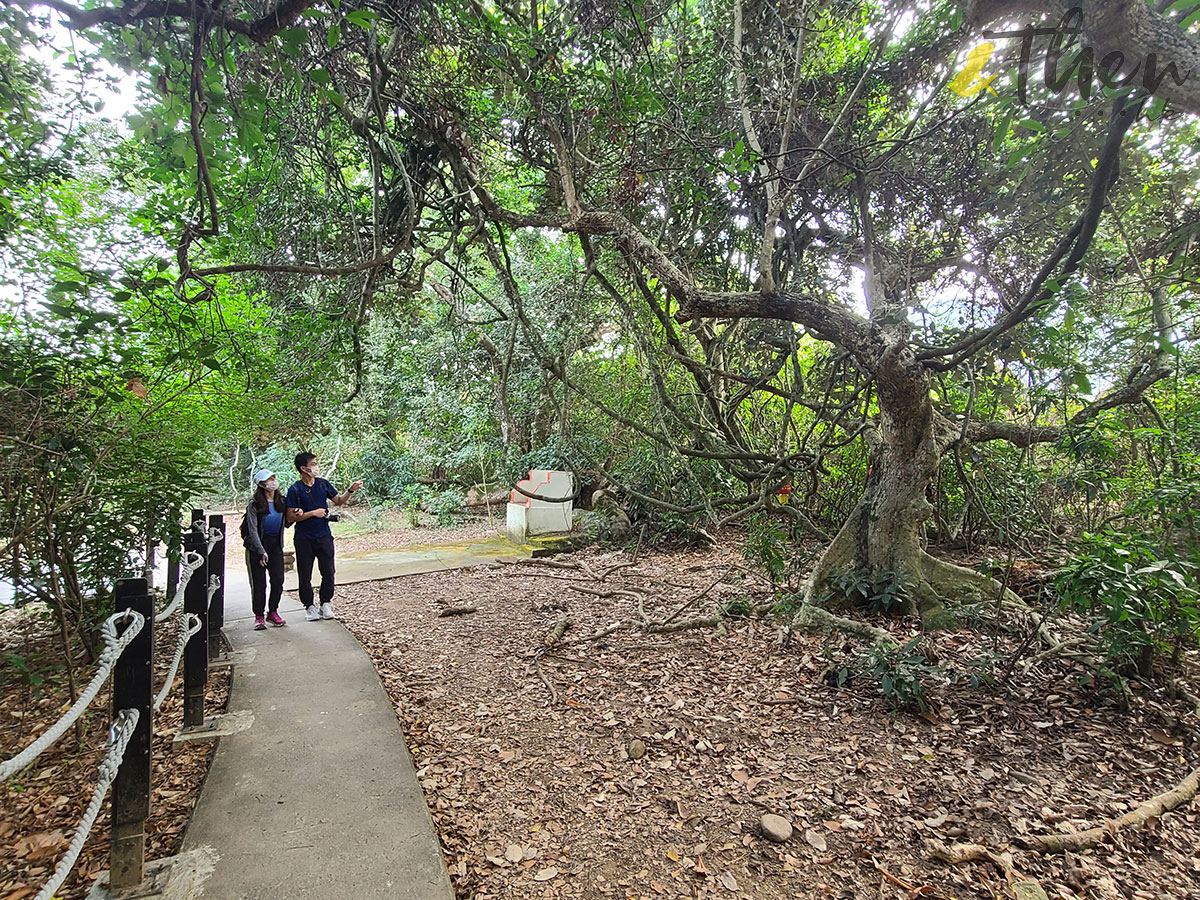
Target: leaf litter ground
<point>41,807</point>
<point>523,751</point>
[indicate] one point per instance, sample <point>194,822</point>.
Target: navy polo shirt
<point>302,496</point>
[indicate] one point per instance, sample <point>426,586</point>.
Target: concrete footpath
<point>316,799</point>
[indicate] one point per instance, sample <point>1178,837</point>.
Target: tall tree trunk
<point>882,537</point>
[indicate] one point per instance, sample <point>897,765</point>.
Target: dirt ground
<point>524,752</point>
<point>41,807</point>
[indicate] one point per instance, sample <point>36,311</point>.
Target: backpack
<point>244,529</point>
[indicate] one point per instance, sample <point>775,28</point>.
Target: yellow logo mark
<point>968,83</point>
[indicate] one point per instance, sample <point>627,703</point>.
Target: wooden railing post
<point>133,689</point>
<point>195,655</point>
<point>216,609</point>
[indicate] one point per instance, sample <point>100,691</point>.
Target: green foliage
<point>768,549</point>
<point>445,507</point>
<point>1142,596</point>
<point>901,672</point>
<point>736,608</point>
<point>411,497</point>
<point>881,590</point>
<point>387,469</point>
<point>30,672</point>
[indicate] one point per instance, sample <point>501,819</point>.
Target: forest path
<point>317,799</point>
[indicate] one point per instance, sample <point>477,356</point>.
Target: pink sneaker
<point>260,623</point>
<point>275,619</point>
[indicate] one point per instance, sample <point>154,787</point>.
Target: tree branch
<point>260,30</point>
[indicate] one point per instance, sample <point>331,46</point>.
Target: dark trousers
<point>259,572</point>
<point>320,549</point>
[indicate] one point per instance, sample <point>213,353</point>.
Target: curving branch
<point>1132,28</point>
<point>260,30</point>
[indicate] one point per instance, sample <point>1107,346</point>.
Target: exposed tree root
<point>685,624</point>
<point>1152,808</point>
<point>1022,886</point>
<point>936,589</point>
<point>814,618</point>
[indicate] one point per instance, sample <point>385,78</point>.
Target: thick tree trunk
<point>882,537</point>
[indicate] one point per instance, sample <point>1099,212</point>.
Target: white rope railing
<point>188,566</point>
<point>191,627</point>
<point>125,721</point>
<point>114,645</point>
<point>118,739</point>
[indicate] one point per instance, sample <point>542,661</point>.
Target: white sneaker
<point>326,610</point>
<point>312,613</point>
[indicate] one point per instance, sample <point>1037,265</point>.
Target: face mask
<point>314,470</point>
<point>271,484</point>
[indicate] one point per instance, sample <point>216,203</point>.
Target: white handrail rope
<point>191,562</point>
<point>214,585</point>
<point>192,626</point>
<point>214,537</point>
<point>113,647</point>
<point>118,739</point>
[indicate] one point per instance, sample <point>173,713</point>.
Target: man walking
<point>308,506</point>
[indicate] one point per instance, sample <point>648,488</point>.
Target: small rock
<point>636,748</point>
<point>775,828</point>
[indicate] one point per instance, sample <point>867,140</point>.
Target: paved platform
<point>317,799</point>
<point>414,559</point>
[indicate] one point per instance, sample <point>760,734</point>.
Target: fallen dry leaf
<point>816,839</point>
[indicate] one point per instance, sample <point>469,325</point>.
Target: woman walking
<point>265,521</point>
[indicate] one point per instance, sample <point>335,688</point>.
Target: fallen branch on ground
<point>461,609</point>
<point>1151,809</point>
<point>1023,887</point>
<point>546,682</point>
<point>556,633</point>
<point>618,567</point>
<point>702,622</point>
<point>537,561</point>
<point>693,599</point>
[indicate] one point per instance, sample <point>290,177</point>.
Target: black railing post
<point>172,574</point>
<point>195,655</point>
<point>216,609</point>
<point>132,689</point>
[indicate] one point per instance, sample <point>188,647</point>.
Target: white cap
<point>262,475</point>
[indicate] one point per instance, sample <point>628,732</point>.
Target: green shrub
<point>768,549</point>
<point>445,506</point>
<point>881,592</point>
<point>902,673</point>
<point>387,470</point>
<point>1141,595</point>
